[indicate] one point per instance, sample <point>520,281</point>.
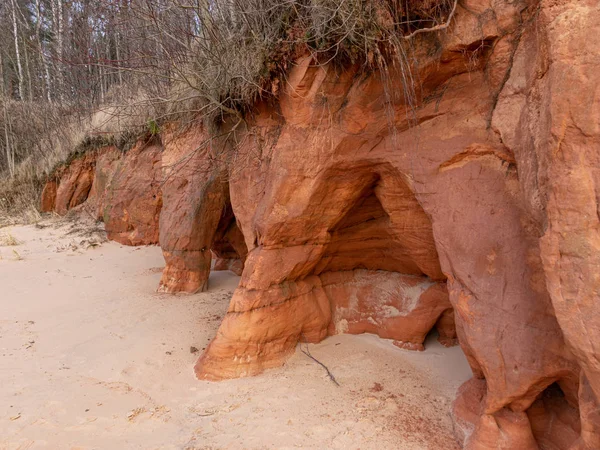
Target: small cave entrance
<point>381,271</point>
<point>554,418</point>
<point>229,247</point>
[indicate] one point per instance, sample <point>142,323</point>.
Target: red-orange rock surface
<point>446,328</point>
<point>106,163</point>
<point>120,188</point>
<point>496,190</point>
<point>390,304</point>
<point>555,424</point>
<point>48,201</point>
<point>478,430</point>
<point>83,180</point>
<point>228,244</point>
<point>133,199</point>
<point>75,183</point>
<point>197,215</point>
<point>233,264</point>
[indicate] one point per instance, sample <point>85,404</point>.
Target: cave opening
<point>555,418</point>
<point>356,255</point>
<point>228,248</point>
<point>380,269</point>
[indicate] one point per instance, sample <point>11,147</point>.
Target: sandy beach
<point>93,358</point>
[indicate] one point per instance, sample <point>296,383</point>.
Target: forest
<point>61,61</point>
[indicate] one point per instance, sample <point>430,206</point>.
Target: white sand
<point>93,358</point>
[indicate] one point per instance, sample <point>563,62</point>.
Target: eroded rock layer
<point>133,198</point>
<point>120,188</point>
<point>197,215</point>
<point>73,191</point>
<point>166,190</point>
<point>390,304</point>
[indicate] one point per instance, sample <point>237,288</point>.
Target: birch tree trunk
<point>7,147</point>
<point>28,70</point>
<point>17,52</point>
<point>38,29</point>
<point>57,18</point>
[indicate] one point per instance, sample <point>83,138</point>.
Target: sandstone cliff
<point>469,204</point>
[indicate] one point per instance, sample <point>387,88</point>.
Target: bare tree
<point>57,16</point>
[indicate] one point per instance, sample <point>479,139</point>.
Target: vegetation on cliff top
<point>73,72</point>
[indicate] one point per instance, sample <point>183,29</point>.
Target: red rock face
<point>106,164</point>
<point>235,265</point>
<point>392,305</point>
<point>75,183</point>
<point>548,114</point>
<point>48,202</point>
<point>83,180</point>
<point>127,191</point>
<point>197,215</point>
<point>228,242</point>
<point>133,199</point>
<point>554,422</point>
<point>123,189</point>
<point>229,247</point>
<point>496,191</point>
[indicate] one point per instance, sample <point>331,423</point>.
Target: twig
<point>307,353</point>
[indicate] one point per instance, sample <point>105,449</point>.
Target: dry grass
<point>42,136</point>
<point>20,196</point>
<point>245,47</point>
<point>51,143</point>
<point>8,240</point>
